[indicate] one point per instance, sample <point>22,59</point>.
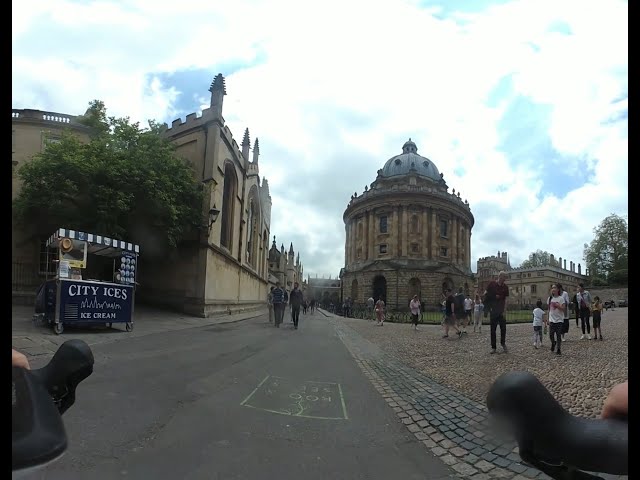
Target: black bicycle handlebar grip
<point>72,363</point>
<point>546,431</point>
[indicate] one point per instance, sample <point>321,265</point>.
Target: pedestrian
<point>468,312</point>
<point>576,308</point>
<point>597,317</point>
<point>557,307</point>
<point>370,306</point>
<point>443,306</point>
<point>270,304</point>
<point>460,316</point>
<point>450,314</point>
<point>563,293</point>
<point>296,300</point>
<point>313,305</point>
<point>584,300</point>
<point>414,307</point>
<point>538,321</point>
<point>380,312</point>
<point>478,309</point>
<point>277,298</point>
<point>496,302</point>
<point>305,304</point>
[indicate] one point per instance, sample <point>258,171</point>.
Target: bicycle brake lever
<point>557,472</point>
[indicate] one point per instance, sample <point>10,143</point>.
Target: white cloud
<point>344,84</point>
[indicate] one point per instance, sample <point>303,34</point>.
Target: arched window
<point>415,288</point>
<point>228,205</point>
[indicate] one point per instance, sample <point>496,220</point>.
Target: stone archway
<point>447,283</point>
<point>380,288</point>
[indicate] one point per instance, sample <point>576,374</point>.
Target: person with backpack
<point>496,303</point>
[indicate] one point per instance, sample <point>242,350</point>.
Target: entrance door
<point>380,288</point>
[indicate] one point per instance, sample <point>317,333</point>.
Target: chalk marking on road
<point>289,414</point>
<point>344,407</point>
<point>254,390</point>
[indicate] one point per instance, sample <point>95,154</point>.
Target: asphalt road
<point>236,401</point>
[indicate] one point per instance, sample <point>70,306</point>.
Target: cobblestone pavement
<point>449,422</point>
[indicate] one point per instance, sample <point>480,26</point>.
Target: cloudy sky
<point>521,104</point>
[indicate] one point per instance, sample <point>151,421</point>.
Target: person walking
<point>597,317</point>
<point>459,311</point>
<point>450,314</point>
<point>270,304</point>
<point>478,310</point>
<point>370,306</point>
<point>468,312</point>
<point>538,320</point>
<point>557,307</point>
<point>584,300</point>
<point>414,307</point>
<point>295,300</point>
<point>277,298</point>
<point>496,302</point>
<point>565,295</point>
<point>380,312</point>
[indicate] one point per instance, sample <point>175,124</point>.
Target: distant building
<point>283,268</point>
<point>527,285</point>
<point>325,290</point>
<point>407,234</point>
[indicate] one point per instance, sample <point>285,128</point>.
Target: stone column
<point>352,244</point>
<point>433,254</point>
<point>372,235</point>
<point>405,231</point>
<point>424,232</point>
<point>454,240</point>
<point>393,248</point>
<point>346,244</point>
<point>469,247</point>
<point>365,236</point>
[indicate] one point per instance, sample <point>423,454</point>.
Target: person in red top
<point>496,302</point>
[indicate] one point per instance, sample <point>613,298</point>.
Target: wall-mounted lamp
<point>213,216</point>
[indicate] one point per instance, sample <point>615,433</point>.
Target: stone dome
<point>408,162</point>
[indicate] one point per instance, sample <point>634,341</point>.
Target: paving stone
<point>392,403</point>
<point>502,451</point>
<point>430,430</point>
<point>481,476</point>
<point>407,421</point>
<point>439,451</point>
<point>488,456</point>
<point>471,459</point>
<point>444,428</point>
<point>449,459</point>
<point>484,465</point>
<point>517,467</point>
<point>412,412</point>
<point>413,428</point>
<point>514,457</point>
<point>468,445</point>
<point>450,435</point>
<point>403,415</point>
<point>464,469</point>
<point>446,443</point>
<point>501,462</point>
<point>397,410</point>
<point>417,417</point>
<point>500,473</point>
<point>478,451</point>
<point>421,435</point>
<point>429,443</point>
<point>437,437</point>
<point>458,452</point>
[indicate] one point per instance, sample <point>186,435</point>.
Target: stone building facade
<point>325,290</point>
<point>284,269</point>
<point>527,285</point>
<point>227,270</point>
<point>407,234</point>
<point>31,132</point>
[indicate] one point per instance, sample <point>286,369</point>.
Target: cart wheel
<point>129,327</point>
<point>58,328</point>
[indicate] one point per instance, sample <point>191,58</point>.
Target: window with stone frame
<point>415,248</point>
<point>534,288</point>
<point>383,248</point>
<point>383,224</point>
<point>444,251</point>
<point>444,227</point>
<point>228,205</point>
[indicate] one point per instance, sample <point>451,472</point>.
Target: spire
<point>218,91</point>
<point>256,151</point>
<point>245,145</point>
<point>298,259</point>
<point>291,249</point>
<point>282,248</point>
<point>274,242</point>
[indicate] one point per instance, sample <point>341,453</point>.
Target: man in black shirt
<point>295,299</point>
<point>450,314</point>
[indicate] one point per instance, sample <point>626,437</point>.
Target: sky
<point>522,104</point>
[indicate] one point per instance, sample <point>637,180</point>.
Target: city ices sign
<point>85,302</point>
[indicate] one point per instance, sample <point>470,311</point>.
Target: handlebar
<point>39,398</point>
<point>553,440</point>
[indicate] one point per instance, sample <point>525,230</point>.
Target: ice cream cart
<point>79,295</point>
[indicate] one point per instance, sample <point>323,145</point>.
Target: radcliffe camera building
<point>407,234</point>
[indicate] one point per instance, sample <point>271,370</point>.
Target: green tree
<point>607,256</point>
<point>126,183</point>
<point>539,258</point>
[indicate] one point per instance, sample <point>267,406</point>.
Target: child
<point>538,320</point>
<point>596,309</point>
<point>477,314</point>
